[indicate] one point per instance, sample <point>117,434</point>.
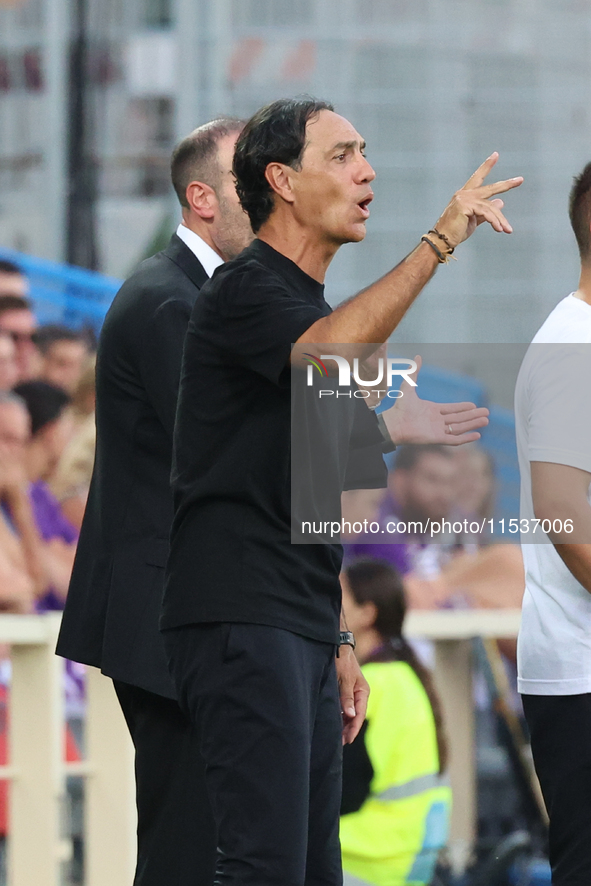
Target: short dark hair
<point>45,402</point>
<point>194,157</point>
<point>579,210</point>
<point>409,456</point>
<point>9,267</point>
<point>48,335</point>
<point>275,134</point>
<point>14,303</point>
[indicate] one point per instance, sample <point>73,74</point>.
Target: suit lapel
<point>179,253</point>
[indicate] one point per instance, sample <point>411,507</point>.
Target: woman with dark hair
<point>396,799</point>
<point>51,428</point>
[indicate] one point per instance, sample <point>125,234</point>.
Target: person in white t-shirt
<point>553,426</point>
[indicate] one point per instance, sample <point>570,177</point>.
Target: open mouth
<point>364,206</point>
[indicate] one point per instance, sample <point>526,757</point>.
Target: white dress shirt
<point>202,250</point>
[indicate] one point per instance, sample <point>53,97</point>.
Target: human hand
<point>353,692</point>
<point>412,420</point>
<point>470,206</point>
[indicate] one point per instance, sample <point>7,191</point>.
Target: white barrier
<point>36,739</point>
<point>452,632</point>
<point>37,770</point>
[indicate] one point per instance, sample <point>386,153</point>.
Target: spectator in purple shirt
<point>51,426</point>
<point>421,488</point>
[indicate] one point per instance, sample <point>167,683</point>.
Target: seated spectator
<point>51,426</point>
<point>9,373</point>
<point>475,492</point>
<point>64,353</point>
<point>358,505</point>
<point>18,321</point>
<point>12,280</point>
<point>18,584</point>
<point>396,802</point>
<point>21,573</point>
<point>84,395</point>
<point>421,489</point>
<point>71,480</point>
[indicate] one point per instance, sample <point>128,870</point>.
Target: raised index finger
<point>483,170</point>
<point>487,191</point>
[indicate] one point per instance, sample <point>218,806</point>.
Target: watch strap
<point>346,638</point>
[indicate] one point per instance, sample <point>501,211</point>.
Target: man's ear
<point>279,177</point>
<point>201,199</point>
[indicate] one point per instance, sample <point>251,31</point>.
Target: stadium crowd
<point>46,449</point>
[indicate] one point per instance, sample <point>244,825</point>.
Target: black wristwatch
<point>346,638</point>
<point>388,445</point>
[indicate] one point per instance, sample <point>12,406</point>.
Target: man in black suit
<point>113,607</point>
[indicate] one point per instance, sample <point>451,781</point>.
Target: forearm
<point>343,621</point>
<point>32,545</point>
<point>17,592</point>
<point>372,315</point>
<point>58,560</point>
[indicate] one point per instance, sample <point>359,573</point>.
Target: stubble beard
<point>234,232</point>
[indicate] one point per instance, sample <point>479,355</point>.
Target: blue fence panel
<point>450,387</point>
<point>65,294</point>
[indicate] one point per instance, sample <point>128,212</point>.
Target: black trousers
<point>176,833</point>
<point>267,707</point>
<point>560,729</point>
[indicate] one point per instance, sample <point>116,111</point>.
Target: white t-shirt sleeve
<point>560,405</point>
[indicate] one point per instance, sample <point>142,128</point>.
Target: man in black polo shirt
<point>251,621</point>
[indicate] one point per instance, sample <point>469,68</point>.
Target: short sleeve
<point>366,468</point>
<point>366,431</point>
<point>559,420</point>
<point>262,318</point>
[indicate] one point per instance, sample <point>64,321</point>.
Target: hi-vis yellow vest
<point>395,837</point>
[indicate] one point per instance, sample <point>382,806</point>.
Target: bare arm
<point>353,690</point>
<point>17,590</point>
<point>15,493</point>
<point>373,314</point>
<point>59,559</point>
<point>560,493</point>
<point>49,564</point>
